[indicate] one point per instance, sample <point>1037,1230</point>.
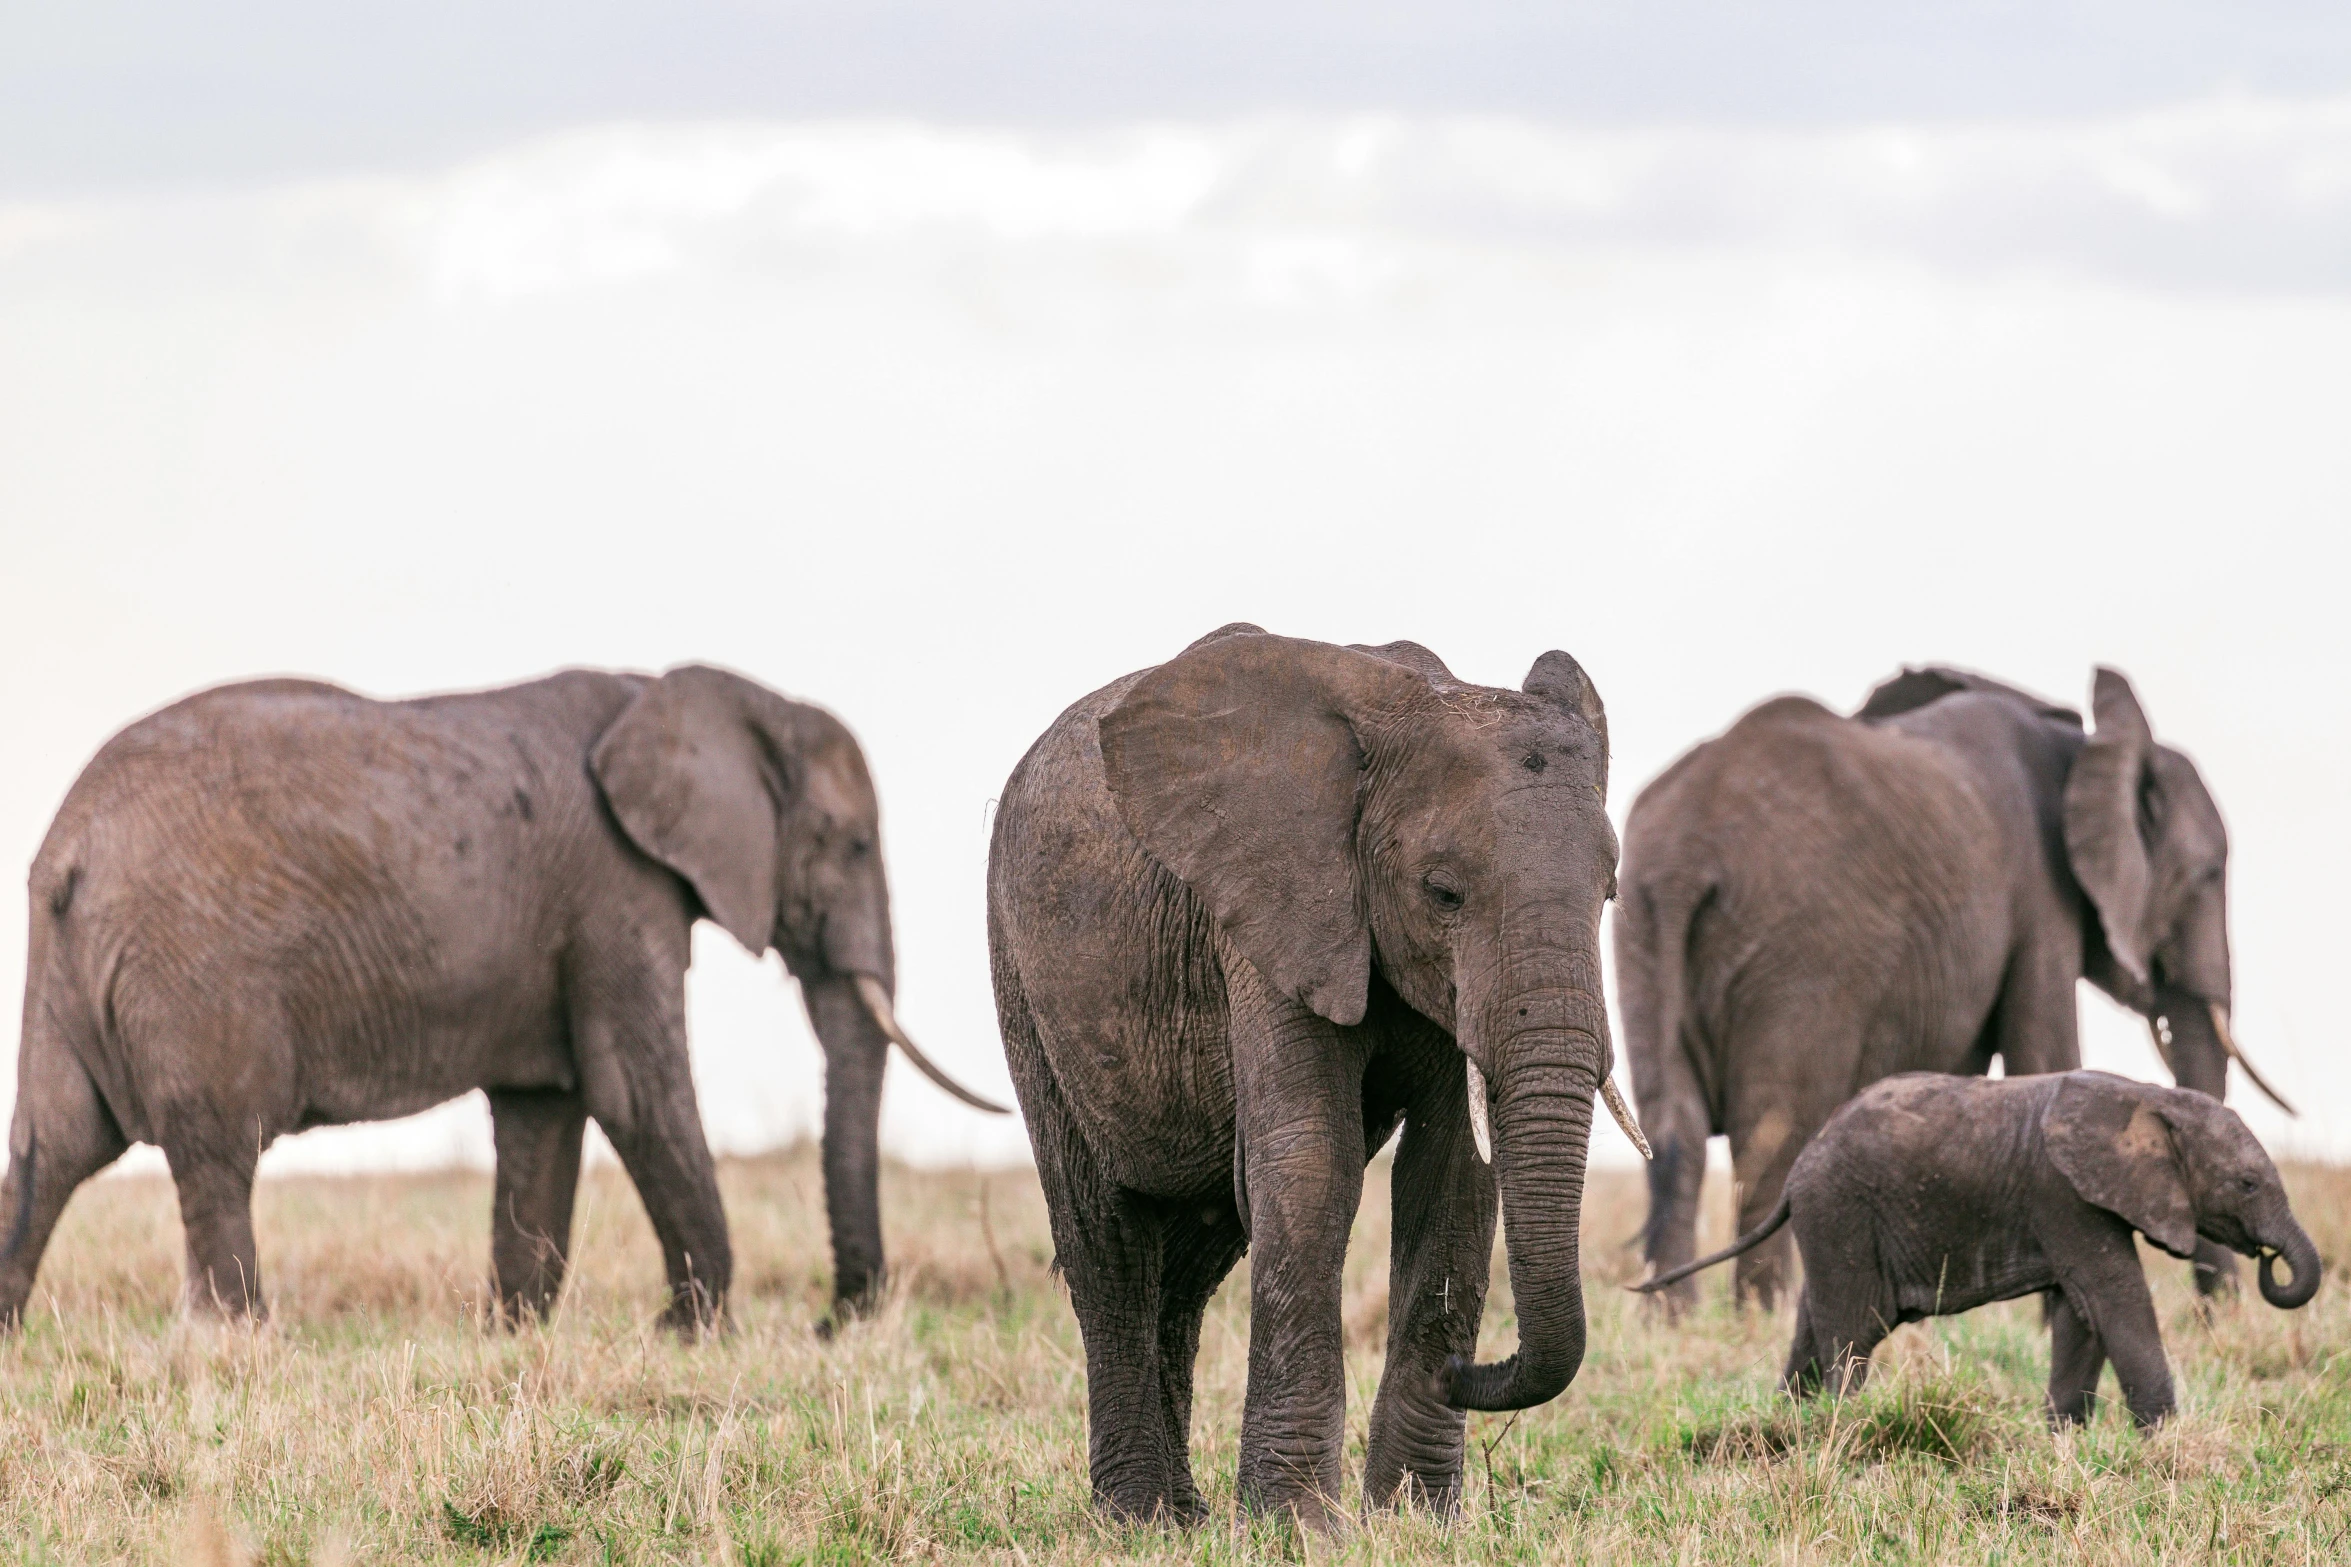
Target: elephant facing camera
<point>1251,912</point>
<point>1929,1195</point>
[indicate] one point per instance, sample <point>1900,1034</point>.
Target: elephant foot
<point>851,1305</point>
<point>1153,1512</point>
<point>1669,1305</point>
<point>1304,1508</point>
<point>696,1319</point>
<point>1438,1498</point>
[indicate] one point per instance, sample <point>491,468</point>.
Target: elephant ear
<point>1919,685</point>
<point>1560,680</point>
<point>2104,838</point>
<point>2111,1143</point>
<point>694,784</point>
<point>1236,764</point>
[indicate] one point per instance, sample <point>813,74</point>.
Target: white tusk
<point>877,1002</point>
<point>1481,1120</point>
<point>2228,1042</point>
<point>1624,1115</point>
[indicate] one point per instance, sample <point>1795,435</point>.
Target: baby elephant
<point>1928,1195</point>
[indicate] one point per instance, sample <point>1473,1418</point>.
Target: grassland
<point>375,1420</point>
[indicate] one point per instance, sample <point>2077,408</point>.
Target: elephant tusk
<point>2162,1045</point>
<point>1481,1120</point>
<point>1624,1115</point>
<point>877,1002</point>
<point>2228,1042</point>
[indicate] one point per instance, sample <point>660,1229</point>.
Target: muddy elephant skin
<point>1249,912</point>
<point>280,905</point>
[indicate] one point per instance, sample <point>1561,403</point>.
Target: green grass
<point>375,1421</point>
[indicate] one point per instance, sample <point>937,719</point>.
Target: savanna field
<point>376,1421</point>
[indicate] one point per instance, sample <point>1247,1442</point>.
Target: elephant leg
<point>1845,1333</point>
<point>1441,1242</point>
<point>2108,1288</point>
<point>2076,1358</point>
<point>61,1136</point>
<point>214,1176</point>
<point>640,1088</point>
<point>1765,1140</point>
<point>1109,1244</point>
<point>1108,1248</point>
<point>538,1133</point>
<point>1197,1250</point>
<point>1802,1376</point>
<point>1674,1115</point>
<point>1299,1093</point>
<point>855,1053</point>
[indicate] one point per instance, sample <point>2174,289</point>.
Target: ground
<point>376,1421</point>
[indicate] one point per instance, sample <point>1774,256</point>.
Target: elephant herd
<point>1250,913</point>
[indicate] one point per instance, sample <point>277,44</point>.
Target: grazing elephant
<point>1927,1196</point>
<point>278,905</point>
<point>1249,911</point>
<point>1812,903</point>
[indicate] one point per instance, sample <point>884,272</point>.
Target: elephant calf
<point>1930,1195</point>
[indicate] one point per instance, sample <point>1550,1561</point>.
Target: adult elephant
<point>1249,911</point>
<point>279,905</point>
<point>1815,902</point>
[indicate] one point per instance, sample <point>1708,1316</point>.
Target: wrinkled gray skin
<point>1928,1196</point>
<point>279,905</point>
<point>1248,913</point>
<point>1813,902</point>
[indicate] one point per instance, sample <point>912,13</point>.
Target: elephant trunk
<point>1542,1090</point>
<point>2302,1265</point>
<point>855,1051</point>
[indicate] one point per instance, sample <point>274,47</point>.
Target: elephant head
<point>2177,1165</point>
<point>764,807</point>
<point>1343,812</point>
<point>2147,845</point>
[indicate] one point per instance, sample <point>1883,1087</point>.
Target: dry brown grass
<point>376,1420</point>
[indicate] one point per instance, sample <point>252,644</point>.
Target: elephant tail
<point>1745,1243</point>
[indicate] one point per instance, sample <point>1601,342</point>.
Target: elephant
<point>1813,902</point>
<point>1249,911</point>
<point>279,905</point>
<point>1929,1195</point>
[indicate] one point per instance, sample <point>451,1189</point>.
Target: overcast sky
<point>1731,362</point>
<point>140,92</point>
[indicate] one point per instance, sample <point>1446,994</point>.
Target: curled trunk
<point>2302,1265</point>
<point>1542,1113</point>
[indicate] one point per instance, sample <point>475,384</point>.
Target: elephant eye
<point>2248,1183</point>
<point>1443,896</point>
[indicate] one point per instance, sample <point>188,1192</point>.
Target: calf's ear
<point>2113,1146</point>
